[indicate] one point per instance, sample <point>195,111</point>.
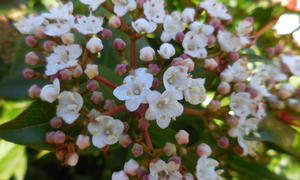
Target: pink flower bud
<point>234,56</point>
<point>211,41</point>
<point>40,32</point>
<point>119,175</point>
<point>119,44</point>
<point>214,106</point>
<point>115,22</point>
<point>226,75</point>
<point>203,150</point>
<point>28,73</point>
<point>125,140</point>
<point>66,74</point>
<point>240,87</point>
<point>50,137</point>
<point>137,150</point>
<point>91,70</point>
<point>83,141</point>
<point>169,149</point>
<point>48,45</point>
<point>59,137</point>
<point>184,56</point>
<point>147,54</point>
<point>179,37</point>
<point>31,58</point>
<point>34,91</point>
<point>56,122</point>
<point>97,97</point>
<point>182,137</point>
<point>92,85</point>
<point>31,41</point>
<point>224,88</point>
<point>155,83</point>
<point>93,114</point>
<point>72,159</point>
<point>286,90</point>
<point>106,34</point>
<point>121,69</point>
<point>232,121</point>
<point>250,19</point>
<point>178,61</point>
<point>141,172</point>
<point>279,48</point>
<point>68,38</point>
<point>153,69</point>
<point>215,22</point>
<point>140,3</point>
<point>223,142</point>
<point>210,64</point>
<point>175,159</point>
<point>131,167</point>
<point>252,92</point>
<point>109,105</point>
<point>94,45</point>
<point>77,72</point>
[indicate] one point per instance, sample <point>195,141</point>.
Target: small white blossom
<point>205,169</point>
<point>287,23</point>
<point>147,54</point>
<point>131,167</point>
<point>89,25</point>
<point>60,27</point>
<point>62,57</point>
<point>239,70</point>
<point>70,103</point>
<point>141,25</point>
<point>215,9</point>
<point>105,131</point>
<point>172,25</point>
<point>195,93</point>
<point>162,170</point>
<point>121,7</point>
<point>166,51</point>
<point>194,44</point>
<point>240,104</point>
<point>119,175</point>
<point>93,4</point>
<point>94,45</point>
<point>188,15</point>
<point>229,42</point>
<point>271,72</point>
<point>135,89</point>
<point>50,92</point>
<point>293,62</point>
<point>30,25</point>
<point>64,11</point>
<point>201,28</point>
<point>163,108</point>
<point>244,28</point>
<point>154,10</point>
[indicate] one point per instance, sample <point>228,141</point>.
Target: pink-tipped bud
<point>91,70</point>
<point>66,74</point>
<point>223,142</point>
<point>131,167</point>
<point>215,22</point>
<point>121,69</point>
<point>48,45</point>
<point>59,137</point>
<point>92,115</point>
<point>214,106</point>
<point>34,91</point>
<point>31,41</point>
<point>210,64</point>
<point>178,61</point>
<point>94,45</point>
<point>184,56</point>
<point>250,19</point>
<point>211,41</point>
<point>56,122</point>
<point>119,44</point>
<point>169,149</point>
<point>50,137</point>
<point>234,56</point>
<point>92,85</point>
<point>240,87</point>
<point>224,88</point>
<point>106,34</point>
<point>179,37</point>
<point>253,92</point>
<point>137,150</point>
<point>226,75</point>
<point>68,38</point>
<point>147,54</point>
<point>109,105</point>
<point>141,172</point>
<point>72,159</point>
<point>175,159</point>
<point>182,137</point>
<point>140,3</point>
<point>232,121</point>
<point>31,58</point>
<point>286,90</point>
<point>153,69</point>
<point>115,22</point>
<point>77,71</point>
<point>125,140</point>
<point>204,150</point>
<point>28,73</point>
<point>97,97</point>
<point>279,48</point>
<point>83,141</point>
<point>189,63</point>
<point>155,83</point>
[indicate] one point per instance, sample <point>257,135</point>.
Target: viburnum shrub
<point>175,89</point>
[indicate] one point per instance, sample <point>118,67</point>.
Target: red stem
<point>133,52</point>
<point>115,111</point>
<point>105,81</point>
<point>193,111</point>
<point>147,139</point>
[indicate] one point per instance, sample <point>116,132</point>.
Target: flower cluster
<point>159,83</point>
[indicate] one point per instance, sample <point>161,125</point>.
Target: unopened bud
<point>182,137</point>
<point>92,85</point>
<point>240,87</point>
<point>169,149</point>
<point>253,92</point>
<point>119,44</point>
<point>214,106</point>
<point>97,97</point>
<point>121,69</point>
<point>137,150</point>
<point>115,22</point>
<point>109,105</point>
<point>210,64</point>
<point>66,74</point>
<point>93,114</point>
<point>72,159</point>
<point>224,88</point>
<point>106,34</point>
<point>226,75</point>
<point>131,167</point>
<point>77,71</point>
<point>211,41</point>
<point>223,142</point>
<point>28,73</point>
<point>67,38</point>
<point>48,45</point>
<point>286,90</point>
<point>125,141</point>
<point>232,121</point>
<point>91,70</point>
<point>31,41</point>
<point>234,56</point>
<point>59,137</point>
<point>31,58</point>
<point>189,63</point>
<point>56,122</point>
<point>153,69</point>
<point>50,137</point>
<point>147,54</point>
<point>83,141</point>
<point>34,91</point>
<point>94,45</point>
<point>179,37</point>
<point>204,150</point>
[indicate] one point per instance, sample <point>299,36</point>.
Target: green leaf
<point>30,127</point>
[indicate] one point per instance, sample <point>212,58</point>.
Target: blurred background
<point>18,162</point>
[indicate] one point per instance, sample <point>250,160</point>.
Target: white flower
<point>63,57</point>
<point>154,10</point>
<point>121,7</point>
<point>70,103</point>
<point>141,25</point>
<point>229,42</point>
<point>271,72</point>
<point>176,78</point>
<point>287,23</point>
<point>215,9</point>
<point>163,108</point>
<point>30,25</point>
<point>244,28</point>
<point>239,70</point>
<point>188,15</point>
<point>205,169</point>
<point>166,51</point>
<point>257,83</point>
<point>106,131</point>
<point>131,167</point>
<point>201,28</point>
<point>162,170</point>
<point>94,4</point>
<point>293,62</point>
<point>135,89</point>
<point>60,27</point>
<point>195,93</point>
<point>172,25</point>
<point>240,104</point>
<point>147,54</point>
<point>194,44</point>
<point>64,11</point>
<point>89,25</point>
<point>50,92</point>
<point>119,175</point>
<point>94,45</point>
